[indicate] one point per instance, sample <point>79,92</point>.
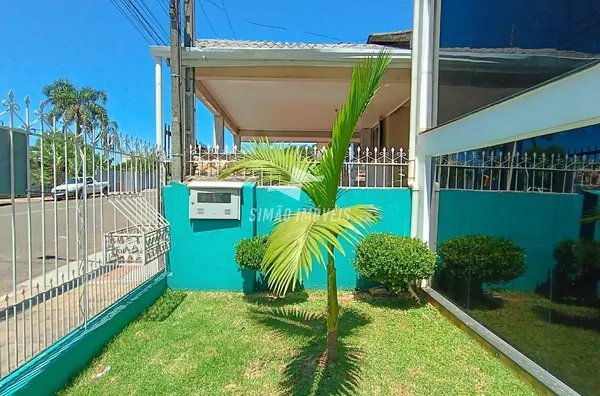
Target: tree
<point>53,146</point>
<point>305,236</point>
<point>84,107</point>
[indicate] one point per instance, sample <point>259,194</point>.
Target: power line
<point>164,5</point>
<point>139,15</point>
<point>207,18</point>
<point>144,14</point>
<point>153,17</point>
<point>222,8</point>
<point>128,18</point>
<point>228,20</point>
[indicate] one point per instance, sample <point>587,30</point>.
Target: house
<point>470,76</point>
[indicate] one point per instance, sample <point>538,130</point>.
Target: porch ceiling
<point>292,98</point>
<point>287,90</point>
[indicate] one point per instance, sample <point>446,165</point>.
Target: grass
<point>562,338</point>
<point>228,344</point>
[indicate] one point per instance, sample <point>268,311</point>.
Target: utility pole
<point>176,149</point>
<point>189,121</point>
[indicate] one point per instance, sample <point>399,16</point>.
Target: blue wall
<point>202,251</point>
<point>535,222</point>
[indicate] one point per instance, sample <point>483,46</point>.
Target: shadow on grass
<point>164,306</point>
<point>268,299</point>
<point>403,301</point>
<point>572,320</point>
<point>309,373</point>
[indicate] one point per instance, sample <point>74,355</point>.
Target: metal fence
<point>83,243</point>
<point>373,168</point>
<point>528,172</point>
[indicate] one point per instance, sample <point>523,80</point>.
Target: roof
<point>246,44</point>
<point>399,39</point>
<point>520,51</point>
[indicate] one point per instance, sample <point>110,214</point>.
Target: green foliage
<point>577,270</point>
<point>299,239</point>
<point>482,258</point>
<point>164,306</point>
<point>249,252</point>
<point>53,148</point>
<point>84,107</point>
<point>579,255</point>
<point>591,216</point>
<point>394,260</point>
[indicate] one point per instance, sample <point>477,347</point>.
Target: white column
<point>158,103</point>
<point>219,135</point>
<point>420,176</point>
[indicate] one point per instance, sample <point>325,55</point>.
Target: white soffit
<point>297,105</point>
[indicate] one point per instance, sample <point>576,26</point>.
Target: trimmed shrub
<point>249,252</point>
<point>482,259</point>
<point>577,270</point>
<point>394,260</point>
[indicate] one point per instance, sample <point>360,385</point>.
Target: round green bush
<point>249,252</point>
<point>394,260</point>
<point>482,259</point>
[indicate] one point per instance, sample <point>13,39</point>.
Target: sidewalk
<point>7,201</point>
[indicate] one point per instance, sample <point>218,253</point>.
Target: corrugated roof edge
<point>224,43</point>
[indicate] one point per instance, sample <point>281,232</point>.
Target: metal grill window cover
<point>86,231</point>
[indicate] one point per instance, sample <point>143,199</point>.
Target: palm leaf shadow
<point>308,372</point>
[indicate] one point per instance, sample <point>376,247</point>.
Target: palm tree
<point>310,235</point>
<point>84,107</point>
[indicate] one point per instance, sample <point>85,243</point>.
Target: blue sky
<point>90,43</point>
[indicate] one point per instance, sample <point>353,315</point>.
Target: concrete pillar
<point>237,141</point>
<point>365,139</point>
<point>219,135</point>
<point>158,100</point>
<point>419,175</point>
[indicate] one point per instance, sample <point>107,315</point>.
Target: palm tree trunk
<point>332,308</point>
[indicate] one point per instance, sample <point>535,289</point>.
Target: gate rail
<point>80,186</point>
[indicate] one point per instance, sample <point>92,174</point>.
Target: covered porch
<point>290,93</point>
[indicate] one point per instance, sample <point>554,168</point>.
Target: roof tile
<point>223,43</point>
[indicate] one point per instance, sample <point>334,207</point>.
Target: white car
<point>78,186</point>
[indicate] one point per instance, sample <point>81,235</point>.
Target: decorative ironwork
<point>497,171</point>
<point>92,227</point>
<point>368,167</point>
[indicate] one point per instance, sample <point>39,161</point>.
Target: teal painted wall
<point>535,222</point>
<point>52,369</point>
<point>202,251</point>
<point>394,205</point>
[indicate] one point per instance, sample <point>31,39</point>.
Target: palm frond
<point>592,216</point>
<point>288,165</point>
<point>366,78</point>
<point>305,236</point>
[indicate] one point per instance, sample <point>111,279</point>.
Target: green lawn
<point>226,344</point>
<point>564,339</point>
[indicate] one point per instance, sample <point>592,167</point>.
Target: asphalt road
<point>102,217</point>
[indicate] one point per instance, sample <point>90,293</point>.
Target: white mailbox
<point>215,200</point>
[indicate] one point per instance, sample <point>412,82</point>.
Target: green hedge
<point>249,252</point>
<point>394,260</point>
<point>482,259</point>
